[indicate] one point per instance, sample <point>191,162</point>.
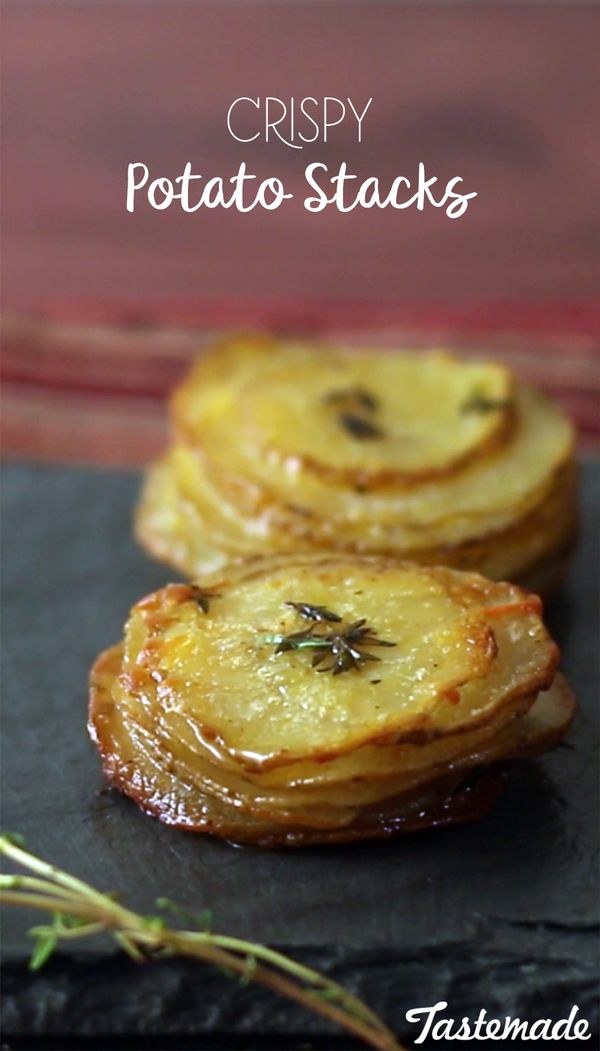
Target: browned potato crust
<point>444,462</point>
<point>201,720</point>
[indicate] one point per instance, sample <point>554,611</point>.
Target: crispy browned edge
<point>463,801</point>
<point>466,802</point>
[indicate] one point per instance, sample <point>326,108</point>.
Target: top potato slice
<point>255,421</point>
<point>488,491</point>
<point>360,418</point>
<point>524,664</point>
<point>412,417</point>
<point>221,670</point>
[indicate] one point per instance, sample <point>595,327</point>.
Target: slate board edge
<point>504,968</point>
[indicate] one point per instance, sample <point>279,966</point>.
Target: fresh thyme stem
<point>343,645</point>
<point>306,974</point>
<point>33,883</point>
<point>95,914</point>
<point>317,642</point>
<point>373,1032</point>
<point>143,938</point>
<point>50,872</point>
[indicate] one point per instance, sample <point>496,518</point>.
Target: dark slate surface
<point>502,914</point>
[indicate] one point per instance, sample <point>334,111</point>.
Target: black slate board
<point>501,914</point>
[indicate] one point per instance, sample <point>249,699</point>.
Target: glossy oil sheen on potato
<point>263,704</point>
<point>199,720</point>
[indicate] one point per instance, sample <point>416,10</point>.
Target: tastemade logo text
<point>295,124</point>
<point>485,1028</point>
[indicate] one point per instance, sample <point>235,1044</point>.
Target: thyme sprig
<point>317,613</point>
<point>343,647</point>
<point>78,910</point>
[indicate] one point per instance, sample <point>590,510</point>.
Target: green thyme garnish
<point>356,409</point>
<point>336,649</point>
<point>478,402</point>
<point>78,911</point>
<point>359,427</point>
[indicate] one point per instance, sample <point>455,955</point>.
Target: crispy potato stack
<point>325,698</point>
<point>292,447</point>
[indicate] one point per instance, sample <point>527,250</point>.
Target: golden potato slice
<point>485,496</point>
<point>184,522</point>
<point>333,805</point>
<point>346,413</point>
<point>289,447</point>
<point>327,804</point>
<point>269,707</point>
<point>140,766</point>
<point>451,406</point>
<point>333,414</point>
<point>141,769</point>
<point>367,772</point>
<point>524,665</point>
<point>222,670</point>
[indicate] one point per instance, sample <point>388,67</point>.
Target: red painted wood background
<point>104,309</point>
<point>505,94</point>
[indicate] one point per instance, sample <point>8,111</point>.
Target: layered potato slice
<point>324,698</point>
<point>411,419</point>
<point>283,448</point>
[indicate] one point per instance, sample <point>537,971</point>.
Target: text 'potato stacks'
<point>292,447</point>
<point>322,698</point>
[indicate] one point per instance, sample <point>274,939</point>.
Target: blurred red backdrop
<point>505,94</point>
<point>104,309</point>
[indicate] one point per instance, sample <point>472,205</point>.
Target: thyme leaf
<point>201,921</point>
<point>44,947</point>
<point>479,402</point>
<point>356,409</point>
<point>359,427</point>
<point>342,648</point>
